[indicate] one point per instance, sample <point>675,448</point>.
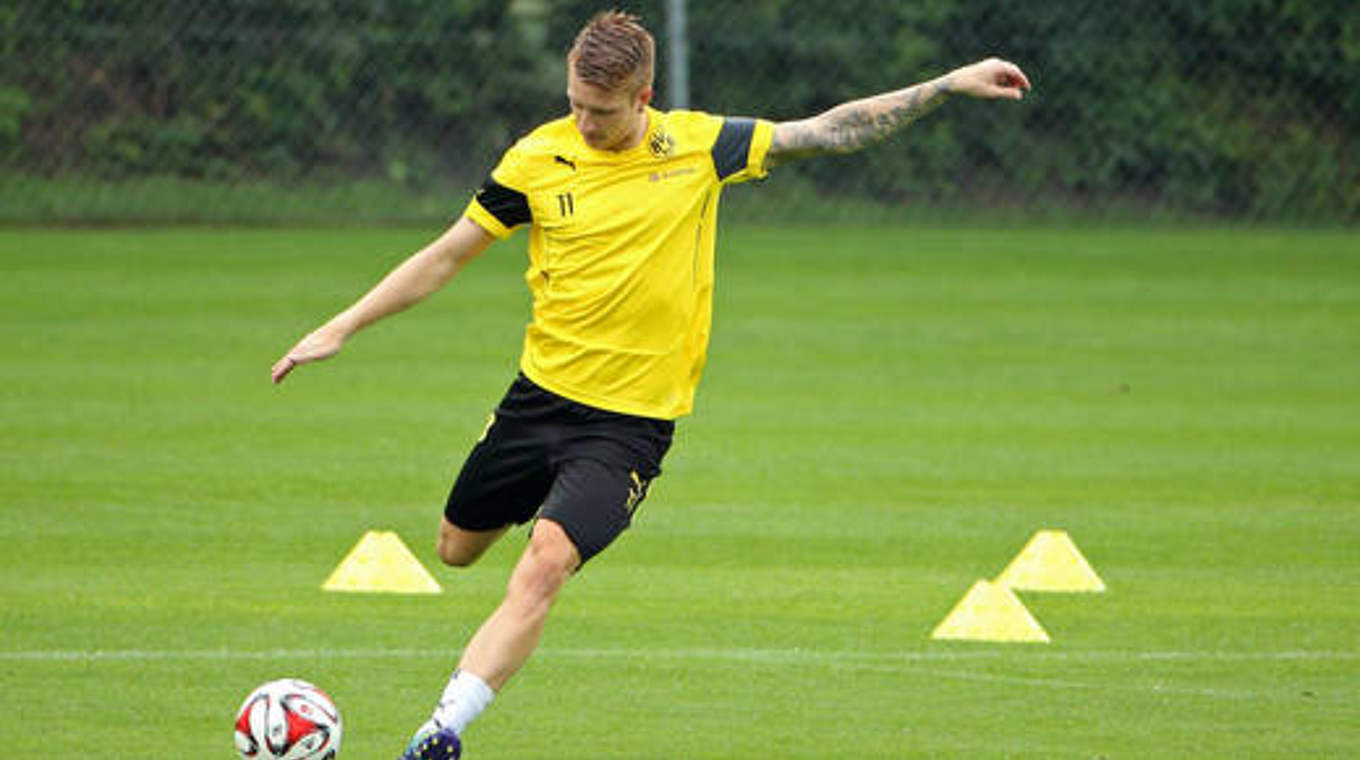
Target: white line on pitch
<point>753,656</point>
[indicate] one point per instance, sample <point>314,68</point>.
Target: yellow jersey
<point>621,253</point>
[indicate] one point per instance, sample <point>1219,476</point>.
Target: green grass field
<point>887,416</point>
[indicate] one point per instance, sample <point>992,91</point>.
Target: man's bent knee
<point>459,548</point>
<point>551,544</point>
<point>546,565</point>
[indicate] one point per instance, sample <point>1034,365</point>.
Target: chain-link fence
<point>260,110</point>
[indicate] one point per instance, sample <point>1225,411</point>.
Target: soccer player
<point>621,202</point>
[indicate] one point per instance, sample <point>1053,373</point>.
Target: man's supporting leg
<point>459,548</point>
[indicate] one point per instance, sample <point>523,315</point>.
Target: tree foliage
<point>1227,108</point>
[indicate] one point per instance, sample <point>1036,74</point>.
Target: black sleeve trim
<point>510,207</point>
<point>733,146</point>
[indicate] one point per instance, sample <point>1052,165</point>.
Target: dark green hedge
<point>280,89</point>
<point>1238,109</point>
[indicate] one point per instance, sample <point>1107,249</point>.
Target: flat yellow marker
<point>990,612</point>
<point>1050,562</point>
<point>380,562</point>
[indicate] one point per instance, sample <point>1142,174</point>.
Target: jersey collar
<point>652,137</point>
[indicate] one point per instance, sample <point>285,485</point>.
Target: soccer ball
<point>288,719</point>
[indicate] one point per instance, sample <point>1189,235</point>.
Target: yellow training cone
<point>1050,562</point>
<point>381,562</point>
<point>990,612</point>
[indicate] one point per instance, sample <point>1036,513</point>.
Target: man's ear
<point>644,97</point>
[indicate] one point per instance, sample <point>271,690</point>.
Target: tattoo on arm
<point>854,125</point>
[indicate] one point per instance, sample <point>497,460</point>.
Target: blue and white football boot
<point>432,743</point>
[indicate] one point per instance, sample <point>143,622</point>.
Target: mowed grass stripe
<point>914,664</point>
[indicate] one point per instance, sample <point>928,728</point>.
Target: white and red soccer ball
<point>288,719</point>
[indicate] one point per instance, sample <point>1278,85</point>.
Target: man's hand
<point>418,277</point>
<point>992,78</point>
<point>323,343</point>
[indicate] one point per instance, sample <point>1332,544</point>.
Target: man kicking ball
<point>621,201</point>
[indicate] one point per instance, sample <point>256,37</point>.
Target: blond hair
<point>613,50</point>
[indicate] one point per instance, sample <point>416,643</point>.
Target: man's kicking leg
<point>505,640</point>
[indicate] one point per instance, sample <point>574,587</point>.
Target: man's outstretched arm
<point>854,125</point>
<point>414,280</point>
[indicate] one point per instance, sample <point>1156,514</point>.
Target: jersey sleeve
<point>498,207</point>
<point>740,149</point>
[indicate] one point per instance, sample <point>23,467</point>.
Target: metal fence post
<point>679,53</point>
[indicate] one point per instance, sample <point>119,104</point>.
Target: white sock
<point>464,699</point>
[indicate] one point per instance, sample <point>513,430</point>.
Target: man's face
<point>606,119</point>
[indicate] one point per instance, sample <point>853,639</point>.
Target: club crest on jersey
<point>662,145</point>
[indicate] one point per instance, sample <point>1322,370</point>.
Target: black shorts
<point>542,455</point>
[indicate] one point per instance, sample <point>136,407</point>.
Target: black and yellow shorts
<point>543,455</point>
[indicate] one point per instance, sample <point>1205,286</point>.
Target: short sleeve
<point>740,149</point>
<point>498,207</point>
